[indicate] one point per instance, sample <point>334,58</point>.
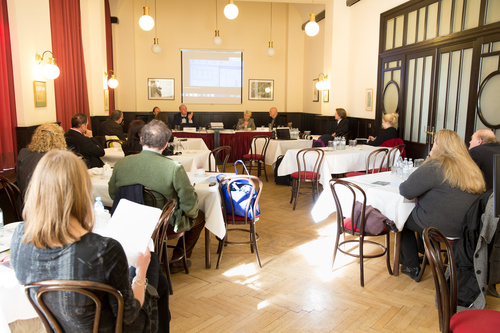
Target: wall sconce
<point>50,71</point>
<point>112,82</point>
<point>312,28</point>
<point>322,83</point>
<point>231,10</point>
<point>146,22</point>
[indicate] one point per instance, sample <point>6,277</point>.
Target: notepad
<point>132,225</point>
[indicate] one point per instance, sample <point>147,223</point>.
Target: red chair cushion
<point>239,218</point>
<point>308,174</point>
<point>348,224</point>
<point>484,321</point>
<point>253,157</point>
<point>360,173</point>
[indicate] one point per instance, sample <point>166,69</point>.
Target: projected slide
<point>212,77</point>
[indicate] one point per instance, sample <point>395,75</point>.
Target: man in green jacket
<point>151,169</point>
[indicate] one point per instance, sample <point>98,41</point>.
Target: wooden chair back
<point>12,192</point>
<point>86,288</point>
<point>446,295</point>
<point>376,159</point>
<point>255,152</point>
<point>219,154</point>
<point>154,198</point>
<point>391,157</point>
<point>304,158</point>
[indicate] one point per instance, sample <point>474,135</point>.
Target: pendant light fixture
<point>312,28</point>
<point>270,50</point>
<point>217,40</point>
<point>231,10</point>
<point>146,22</point>
<point>156,48</point>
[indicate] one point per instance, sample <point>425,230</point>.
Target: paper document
<point>132,225</point>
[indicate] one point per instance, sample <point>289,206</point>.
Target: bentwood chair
<point>391,156</point>
<point>160,237</point>
<point>48,311</point>
<point>258,149</point>
<point>13,193</point>
<point>252,185</point>
<point>219,154</point>
<point>374,162</point>
<point>352,227</point>
<point>446,293</point>
<point>309,162</point>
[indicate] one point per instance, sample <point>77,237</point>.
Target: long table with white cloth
<point>382,192</point>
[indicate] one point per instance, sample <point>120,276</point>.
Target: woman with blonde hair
<point>46,137</point>
<point>246,123</point>
<point>57,243</point>
<point>390,125</point>
<point>445,186</point>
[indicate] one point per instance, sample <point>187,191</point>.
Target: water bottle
<point>406,168</point>
<point>342,143</point>
<point>1,222</point>
<point>98,206</point>
<point>399,165</point>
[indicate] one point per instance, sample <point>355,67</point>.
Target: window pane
<point>442,86</point>
<point>472,14</point>
<point>444,18</point>
<point>453,90</point>
<point>496,45</point>
<point>399,31</point>
<point>390,34</point>
<point>425,98</point>
<point>417,102</point>
<point>464,92</point>
<point>421,24</point>
<point>412,27</point>
<point>458,11</point>
<point>432,21</point>
<point>492,11</point>
<point>409,98</point>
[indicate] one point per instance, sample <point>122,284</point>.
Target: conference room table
<point>208,201</point>
<point>280,147</point>
<point>382,192</point>
<point>239,141</point>
<point>334,162</point>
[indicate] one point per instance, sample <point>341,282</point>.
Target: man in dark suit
<point>112,126</point>
<point>483,145</point>
<point>183,118</point>
<point>80,140</point>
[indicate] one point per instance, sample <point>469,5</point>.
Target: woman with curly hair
<point>445,186</point>
<point>46,137</point>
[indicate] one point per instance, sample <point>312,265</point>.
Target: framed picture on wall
<point>315,91</point>
<point>326,96</point>
<point>261,90</point>
<point>40,91</point>
<point>369,99</point>
<point>161,89</point>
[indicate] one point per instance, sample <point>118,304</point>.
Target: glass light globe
<point>146,22</point>
<point>270,51</point>
<point>51,71</point>
<point>312,28</point>
<point>156,48</point>
<point>217,41</point>
<point>231,11</point>
<point>113,83</point>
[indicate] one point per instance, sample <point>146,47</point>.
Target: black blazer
<point>87,147</point>
<point>384,135</point>
<point>341,128</point>
<point>178,121</point>
<point>483,156</point>
<point>110,127</point>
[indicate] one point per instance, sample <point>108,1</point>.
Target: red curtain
<point>71,86</point>
<point>109,52</point>
<point>8,116</point>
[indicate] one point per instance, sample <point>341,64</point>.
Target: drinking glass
<point>418,162</point>
<point>352,143</point>
<point>331,145</point>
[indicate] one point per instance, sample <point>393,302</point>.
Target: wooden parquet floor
<point>296,290</point>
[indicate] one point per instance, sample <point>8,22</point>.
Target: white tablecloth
<point>385,198</point>
<point>112,155</point>
<point>192,143</point>
<point>280,147</point>
<point>208,199</point>
<point>193,160</point>
<point>334,162</point>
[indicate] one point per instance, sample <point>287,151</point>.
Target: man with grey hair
<point>159,173</point>
<point>183,118</point>
<point>112,126</point>
<point>483,145</point>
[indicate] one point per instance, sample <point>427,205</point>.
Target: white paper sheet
<point>132,225</point>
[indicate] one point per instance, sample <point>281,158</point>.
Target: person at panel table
<point>274,120</point>
<point>445,186</point>
<point>57,243</point>
<point>482,146</point>
<point>246,123</point>
<point>183,118</point>
<point>389,123</point>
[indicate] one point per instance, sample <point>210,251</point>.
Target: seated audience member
<point>246,123</point>
<point>113,125</point>
<point>151,169</point>
<point>483,145</point>
<point>152,115</point>
<point>389,123</point>
<point>46,137</point>
<point>57,243</point>
<point>80,140</point>
<point>274,120</point>
<point>183,118</point>
<point>445,186</point>
<point>341,127</point>
<point>133,137</point>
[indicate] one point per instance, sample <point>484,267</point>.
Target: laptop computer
<point>283,134</point>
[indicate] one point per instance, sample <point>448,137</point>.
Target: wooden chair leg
<point>361,262</point>
<point>297,194</point>
<point>264,167</point>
